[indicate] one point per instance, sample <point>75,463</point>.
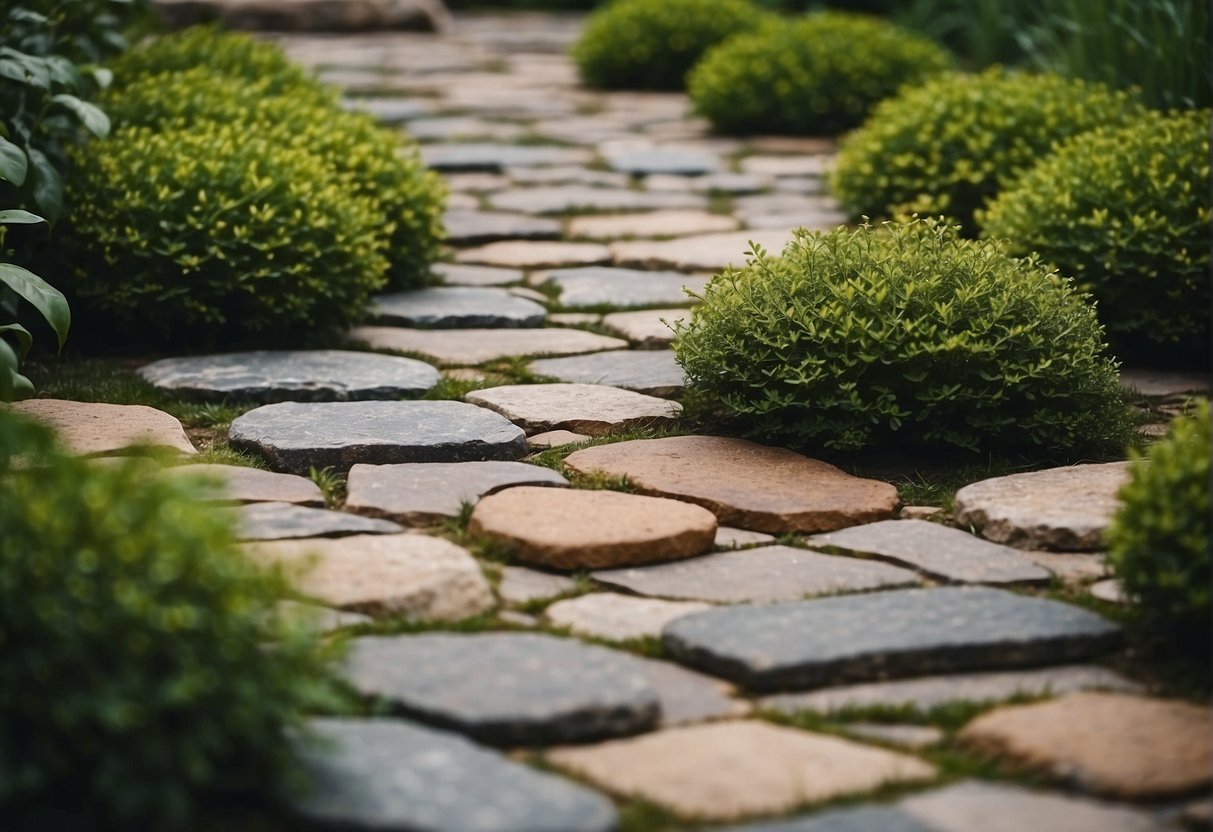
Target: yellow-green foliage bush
<point>642,44</point>
<point>903,336</point>
<point>1126,212</point>
<point>948,145</point>
<point>820,74</point>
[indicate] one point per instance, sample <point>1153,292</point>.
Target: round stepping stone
<point>239,484</point>
<point>562,199</point>
<point>461,274</point>
<point>520,585</point>
<point>308,376</point>
<point>469,228</point>
<point>1059,508</point>
<point>297,437</point>
<point>422,493</point>
<point>653,372</point>
<point>401,575</point>
<point>746,485</point>
<point>675,161</point>
<point>96,429</point>
<point>590,287</point>
<point>649,328</point>
<point>392,775</point>
<point>522,254</point>
<point>650,225</point>
<point>451,307</point>
<point>700,253</point>
<point>617,617</point>
<point>476,346</point>
<point>565,529</point>
<point>507,688</point>
<point>283,521</point>
<point>590,409</point>
<point>495,157</point>
<point>807,644</point>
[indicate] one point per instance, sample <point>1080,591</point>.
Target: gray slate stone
<point>663,160</point>
<point>469,228</point>
<point>283,521</point>
<point>294,437</point>
<point>607,286</point>
<point>507,688</point>
<point>687,696</point>
<point>388,774</point>
<point>466,274</point>
<point>856,819</point>
<point>496,157</point>
<point>456,307</point>
<point>308,376</point>
<point>476,346</point>
<point>807,644</point>
<point>654,372</point>
<point>561,199</point>
<point>520,585</point>
<point>240,484</point>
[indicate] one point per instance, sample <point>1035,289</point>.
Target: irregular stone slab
<point>567,175</point>
<point>461,274</point>
<point>997,807</point>
<point>935,550</point>
<point>390,576</point>
<point>539,255</point>
<point>772,573</point>
<point>1161,384</point>
<point>520,585</point>
<point>565,529</point>
<point>907,736</point>
<point>529,294</point>
<point>617,617</point>
<point>729,770</point>
<point>700,253</point>
<point>452,307</point>
<point>310,376</point>
<point>1059,508</point>
<point>476,183</point>
<point>1113,744</point>
<point>507,688</point>
<point>687,696</point>
<point>574,318</point>
<point>555,439</point>
<point>493,158</point>
<point>816,165</point>
<point>562,199</point>
<point>649,329</point>
<point>728,538</point>
<point>746,485</point>
<point>240,484</point>
<point>679,162</point>
<point>390,774</point>
<point>422,493</point>
<point>591,409</point>
<point>580,288</point>
<point>1110,590</point>
<point>1071,568</point>
<point>918,512</point>
<point>476,346</point>
<point>857,819</point>
<point>809,644</point>
<point>465,228</point>
<point>283,521</point>
<point>650,225</point>
<point>654,372</point>
<point>296,437</point>
<point>388,110</point>
<point>929,692</point>
<point>734,184</point>
<point>319,619</point>
<point>97,429</point>
<point>462,202</point>
<point>462,127</point>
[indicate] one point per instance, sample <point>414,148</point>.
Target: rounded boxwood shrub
<point>208,236</point>
<point>144,669</point>
<point>641,44</point>
<point>908,336</point>
<point>1126,213</point>
<point>947,146</point>
<point>818,75</point>
<point>1159,539</point>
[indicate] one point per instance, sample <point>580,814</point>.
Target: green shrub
<point>641,44</point>
<point>135,679</point>
<point>1126,212</point>
<point>1159,539</point>
<point>820,74</point>
<point>903,336</point>
<point>947,146</point>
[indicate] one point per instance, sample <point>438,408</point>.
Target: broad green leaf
<point>8,371</point>
<point>42,296</point>
<point>48,186</point>
<point>13,164</point>
<point>104,77</point>
<point>91,116</point>
<point>15,216</point>
<point>22,336</point>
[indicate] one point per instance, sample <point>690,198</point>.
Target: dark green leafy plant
<point>83,31</point>
<point>903,336</point>
<point>1126,212</point>
<point>18,285</point>
<point>818,75</point>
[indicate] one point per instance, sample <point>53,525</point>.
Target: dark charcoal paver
<point>808,644</point>
<point>283,521</point>
<point>496,157</point>
<point>469,228</point>
<point>654,372</point>
<point>450,307</point>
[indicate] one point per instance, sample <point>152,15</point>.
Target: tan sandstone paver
<point>476,346</point>
<point>702,252</point>
<point>241,484</point>
<point>97,429</point>
<point>618,617</point>
<point>590,409</point>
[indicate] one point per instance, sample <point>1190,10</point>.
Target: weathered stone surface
<point>536,255</point>
<point>1113,744</point>
<point>308,15</point>
<point>461,274</point>
<point>654,372</point>
<point>1059,508</point>
<point>1161,384</point>
<point>449,128</point>
<point>729,770</point>
<point>621,287</point>
<point>284,521</point>
<point>812,165</point>
<point>567,175</point>
<point>927,692</point>
<point>687,696</point>
<point>935,550</point>
<point>723,183</point>
<point>528,293</point>
<point>649,328</point>
<point>1110,590</point>
<point>746,485</point>
<point>555,439</point>
<point>386,576</point>
<point>96,429</point>
<point>388,110</point>
<point>676,161</point>
<point>476,183</point>
<point>466,228</point>
<point>450,307</point>
<point>907,736</point>
<point>520,585</point>
<point>772,573</point>
<point>617,617</point>
<point>476,346</point>
<point>854,819</point>
<point>239,484</point>
<point>1071,568</point>
<point>495,157</point>
<point>590,409</point>
<point>392,775</point>
<point>560,199</point>
<point>702,252</point>
<point>650,225</point>
<point>507,688</point>
<point>295,437</point>
<point>808,644</point>
<point>566,529</point>
<point>311,376</point>
<point>729,538</point>
<point>918,512</point>
<point>421,493</point>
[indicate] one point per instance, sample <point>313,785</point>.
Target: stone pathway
<point>629,623</point>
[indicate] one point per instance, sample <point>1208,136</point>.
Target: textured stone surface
<point>580,288</point>
<point>555,439</point>
<point>1059,508</point>
<point>807,644</point>
<point>567,175</point>
<point>284,521</point>
<point>488,156</point>
<point>462,274</point>
<point>520,585</point>
<point>401,575</point>
<point>523,254</point>
<point>730,770</point>
<point>687,696</point>
<point>811,165</point>
<point>590,409</point>
<point>1115,744</point>
<point>559,199</point>
<point>936,550</point>
<point>507,688</point>
<point>649,225</point>
<point>854,819</point>
<point>449,307</point>
<point>648,328</point>
<point>724,183</point>
<point>617,617</point>
<point>906,736</point>
<point>390,774</point>
<point>421,493</point>
<point>93,428</point>
<point>296,437</point>
<point>567,529</point>
<point>467,228</point>
<point>654,372</point>
<point>462,128</point>
<point>239,484</point>
<point>729,538</point>
<point>746,485</point>
<point>476,346</point>
<point>676,161</point>
<point>574,318</point>
<point>1160,384</point>
<point>702,252</point>
<point>1071,568</point>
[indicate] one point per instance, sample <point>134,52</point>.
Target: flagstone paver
<point>320,619</point>
<point>648,328</point>
<point>466,228</point>
<point>677,161</point>
<point>462,274</point>
<point>560,199</point>
<point>536,255</point>
<point>688,697</point>
<point>648,371</point>
<point>736,184</point>
<point>574,318</point>
<point>700,253</point>
<point>314,375</point>
<point>555,439</point>
<point>616,617</point>
<point>591,409</point>
<point>621,287</point>
<point>575,529</point>
<point>284,521</point>
<point>853,819</point>
<point>494,157</point>
<point>448,307</point>
<point>520,585</point>
<point>97,429</point>
<point>814,165</point>
<point>476,346</point>
<point>906,736</point>
<point>650,225</point>
<point>567,175</point>
<point>240,484</point>
<point>1071,567</point>
<point>730,538</point>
